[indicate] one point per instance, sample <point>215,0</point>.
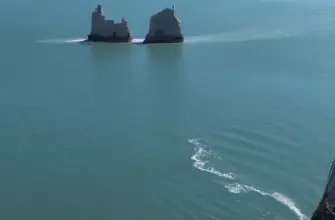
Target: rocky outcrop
<point>326,207</point>
<point>104,30</point>
<point>164,28</point>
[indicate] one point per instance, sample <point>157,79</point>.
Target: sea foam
<point>201,159</point>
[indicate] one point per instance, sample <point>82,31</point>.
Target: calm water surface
<point>237,123</point>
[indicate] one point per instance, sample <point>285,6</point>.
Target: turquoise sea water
<point>236,123</point>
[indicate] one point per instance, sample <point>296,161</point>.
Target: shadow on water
<point>110,62</point>
<point>165,57</point>
<point>165,82</point>
<point>108,51</point>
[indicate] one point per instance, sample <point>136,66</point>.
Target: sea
<point>236,123</point>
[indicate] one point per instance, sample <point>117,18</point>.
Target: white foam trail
<point>137,40</point>
<point>241,188</point>
<point>79,40</point>
<point>62,41</point>
<point>238,188</point>
<point>202,164</point>
<point>75,40</point>
<point>290,204</point>
<point>238,36</point>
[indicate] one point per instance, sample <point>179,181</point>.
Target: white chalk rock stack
<point>164,28</point>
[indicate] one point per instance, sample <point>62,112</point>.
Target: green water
<point>236,123</point>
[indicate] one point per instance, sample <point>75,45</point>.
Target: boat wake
<point>236,36</point>
<point>239,36</point>
<point>201,162</point>
<point>137,40</point>
<point>79,40</point>
<point>62,41</point>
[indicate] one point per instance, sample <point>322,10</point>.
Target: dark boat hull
<point>163,39</point>
<point>109,39</point>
